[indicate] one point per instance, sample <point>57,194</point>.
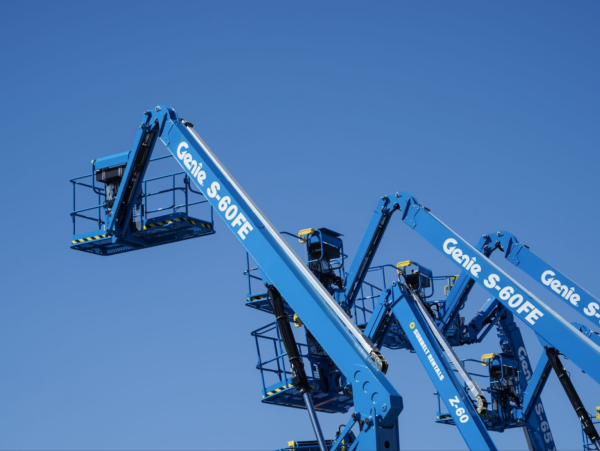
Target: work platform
<point>329,395</point>
<point>168,209</point>
<point>286,394</point>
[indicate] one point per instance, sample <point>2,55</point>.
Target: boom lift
<point>325,257</point>
<point>508,298</point>
<point>521,256</point>
<point>339,366</point>
<point>376,403</point>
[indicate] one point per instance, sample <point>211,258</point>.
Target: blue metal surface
<point>569,292</point>
<point>376,402</point>
<point>430,354</point>
<point>519,301</point>
<point>508,298</point>
<point>332,308</point>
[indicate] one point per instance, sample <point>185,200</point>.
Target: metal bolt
<point>383,408</point>
<point>157,108</point>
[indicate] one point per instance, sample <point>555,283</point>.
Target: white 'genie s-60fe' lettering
<point>515,301</point>
<point>463,259</point>
<point>230,210</point>
<point>555,285</point>
<point>189,162</point>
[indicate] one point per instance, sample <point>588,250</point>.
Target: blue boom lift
<point>124,225</point>
<point>337,365</point>
<point>436,327</point>
<point>513,404</point>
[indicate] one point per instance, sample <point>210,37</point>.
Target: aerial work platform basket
<point>168,209</point>
<point>276,375</point>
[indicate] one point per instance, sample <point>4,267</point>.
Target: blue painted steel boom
<point>578,298</point>
<point>377,404</point>
<point>518,300</point>
<point>512,299</point>
<point>537,428</point>
<point>430,349</point>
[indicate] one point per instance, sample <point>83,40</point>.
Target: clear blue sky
<point>487,112</point>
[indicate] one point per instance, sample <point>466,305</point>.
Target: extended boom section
<point>523,304</point>
<point>332,362</point>
<point>561,286</point>
<point>376,403</point>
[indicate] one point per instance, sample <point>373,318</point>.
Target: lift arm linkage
<point>368,247</point>
<point>536,429</point>
<point>376,402</point>
<point>430,347</point>
<point>518,300</point>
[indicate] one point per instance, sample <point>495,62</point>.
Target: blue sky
<point>487,112</point>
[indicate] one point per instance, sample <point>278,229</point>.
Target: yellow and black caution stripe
<point>277,390</point>
<point>258,296</point>
<point>89,238</point>
<point>170,221</point>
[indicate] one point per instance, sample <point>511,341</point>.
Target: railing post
<point>99,213</point>
<point>281,353</point>
<point>259,365</point>
<point>173,187</point>
<point>73,216</point>
<point>248,276</point>
<point>186,182</point>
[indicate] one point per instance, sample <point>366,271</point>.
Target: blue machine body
<point>376,404</point>
<point>341,318</point>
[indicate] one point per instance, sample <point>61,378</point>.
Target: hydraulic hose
<point>291,348</point>
<point>565,380</point>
